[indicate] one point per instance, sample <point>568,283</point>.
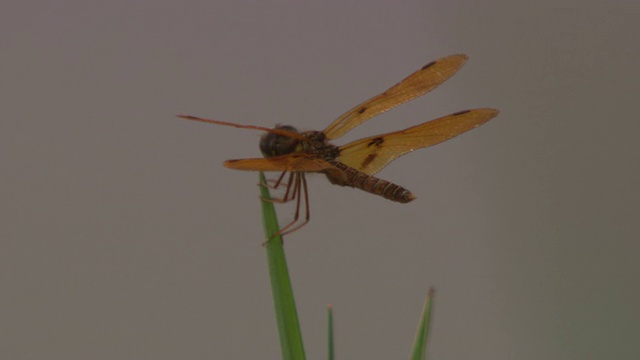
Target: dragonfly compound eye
<point>272,144</point>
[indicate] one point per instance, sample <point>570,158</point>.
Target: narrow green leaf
<point>330,348</point>
<point>419,351</point>
<point>283,300</point>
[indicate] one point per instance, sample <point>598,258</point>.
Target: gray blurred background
<point>123,237</point>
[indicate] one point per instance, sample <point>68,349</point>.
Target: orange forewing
<point>414,85</point>
<point>290,162</point>
<point>242,126</point>
<point>371,154</point>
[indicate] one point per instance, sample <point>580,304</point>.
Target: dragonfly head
<point>275,144</point>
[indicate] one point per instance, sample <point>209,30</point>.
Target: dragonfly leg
<point>275,184</point>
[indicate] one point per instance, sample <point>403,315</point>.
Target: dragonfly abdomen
<point>371,184</point>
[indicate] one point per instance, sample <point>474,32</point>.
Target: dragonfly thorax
<point>308,142</point>
<point>316,144</point>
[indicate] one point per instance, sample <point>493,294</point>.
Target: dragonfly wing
<point>290,162</point>
<point>371,154</point>
<point>416,84</point>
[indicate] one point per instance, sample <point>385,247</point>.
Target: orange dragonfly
<point>295,153</point>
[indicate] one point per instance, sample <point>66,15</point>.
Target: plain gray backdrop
<point>123,237</point>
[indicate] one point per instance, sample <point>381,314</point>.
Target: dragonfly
<point>289,151</point>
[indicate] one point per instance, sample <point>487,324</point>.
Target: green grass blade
<point>284,302</point>
<point>330,348</point>
<point>419,351</point>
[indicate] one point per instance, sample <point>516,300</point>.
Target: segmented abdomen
<point>371,184</point>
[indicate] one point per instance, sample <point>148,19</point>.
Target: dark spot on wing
<point>461,112</point>
<point>362,110</point>
<point>428,65</point>
<point>368,160</point>
<point>376,142</point>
